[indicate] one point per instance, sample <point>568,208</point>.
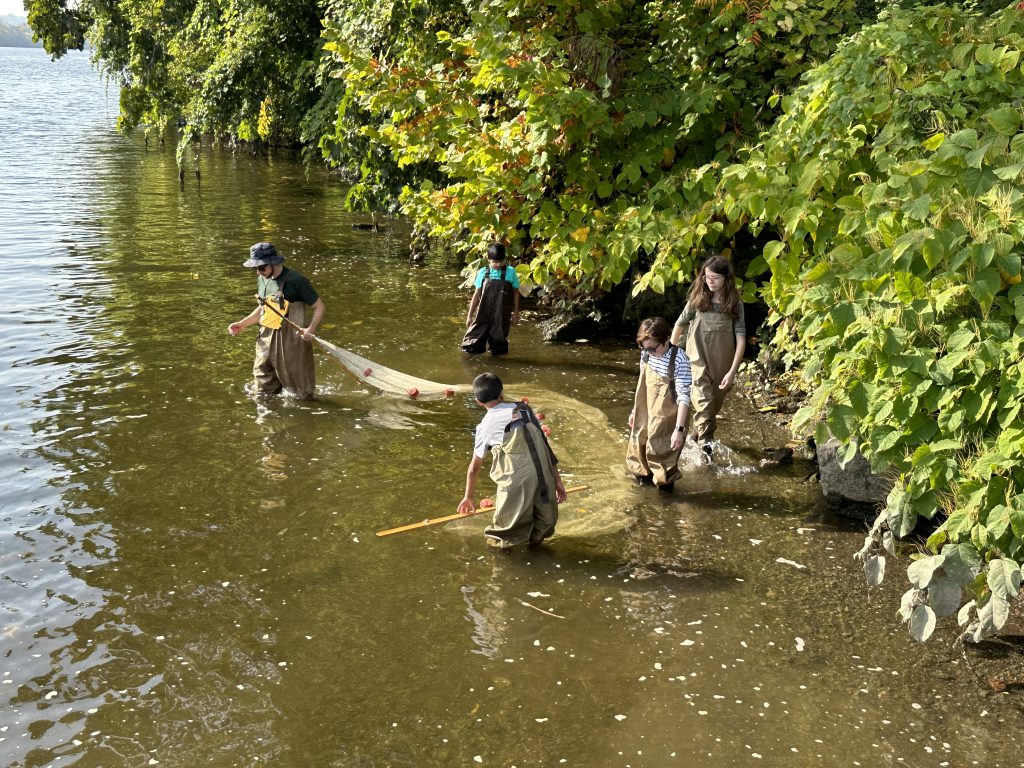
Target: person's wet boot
<point>666,487</point>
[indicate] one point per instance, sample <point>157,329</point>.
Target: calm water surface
<point>188,577</point>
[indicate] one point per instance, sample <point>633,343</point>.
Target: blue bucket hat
<point>262,255</point>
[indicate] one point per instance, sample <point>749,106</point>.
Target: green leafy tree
<point>571,129</point>
<point>346,132</point>
<point>233,69</point>
<point>892,183</point>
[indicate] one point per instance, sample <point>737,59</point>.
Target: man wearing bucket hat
<point>288,313</point>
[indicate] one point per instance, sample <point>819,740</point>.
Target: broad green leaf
<point>964,614</point>
<point>911,598</point>
<point>976,158</point>
<point>944,596</point>
<point>1016,515</point>
<point>772,250</point>
<point>1004,578</point>
<point>920,208</point>
<point>932,251</point>
<point>874,569</point>
<point>909,287</point>
<point>817,272</point>
<point>1005,120</point>
<point>961,562</point>
<point>922,623</point>
<point>985,286</point>
<point>846,453</point>
<point>920,571</point>
<point>1008,172</point>
<point>1000,610</point>
<point>843,422</point>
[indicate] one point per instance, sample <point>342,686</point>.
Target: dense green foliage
<point>871,171</point>
<point>892,182</point>
<point>570,129</point>
<point>232,69</point>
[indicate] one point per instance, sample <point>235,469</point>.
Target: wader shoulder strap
<point>524,415</point>
<point>487,276</point>
<point>672,372</point>
<point>280,285</point>
<point>281,280</point>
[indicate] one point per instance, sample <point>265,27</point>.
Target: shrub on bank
<point>892,183</point>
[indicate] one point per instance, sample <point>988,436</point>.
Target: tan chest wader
<point>525,508</point>
<point>711,346</point>
<point>650,454</point>
<point>283,359</point>
<point>493,318</point>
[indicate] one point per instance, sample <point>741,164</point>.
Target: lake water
<point>189,577</point>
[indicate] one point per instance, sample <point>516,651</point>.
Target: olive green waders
<point>649,453</point>
<point>283,359</point>
<point>525,508</point>
<point>711,347</point>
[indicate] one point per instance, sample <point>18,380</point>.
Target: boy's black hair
<point>487,387</point>
<point>496,252</point>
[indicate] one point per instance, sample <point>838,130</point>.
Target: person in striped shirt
<point>661,407</point>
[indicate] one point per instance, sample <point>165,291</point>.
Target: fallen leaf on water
<point>796,565</point>
<point>996,684</point>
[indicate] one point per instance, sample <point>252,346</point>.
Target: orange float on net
<point>525,400</point>
<point>449,392</point>
<point>413,392</point>
<point>541,417</point>
<point>546,429</point>
<point>368,372</point>
<point>486,503</point>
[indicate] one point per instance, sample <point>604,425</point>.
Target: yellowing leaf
<point>581,234</point>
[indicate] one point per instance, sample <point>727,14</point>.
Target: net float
<point>368,372</point>
<point>413,392</point>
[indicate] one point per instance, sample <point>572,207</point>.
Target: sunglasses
<point>648,347</point>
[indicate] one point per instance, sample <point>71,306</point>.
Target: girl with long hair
<point>713,325</point>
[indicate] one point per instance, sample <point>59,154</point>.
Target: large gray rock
<point>852,485</point>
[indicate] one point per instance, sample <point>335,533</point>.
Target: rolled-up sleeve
<point>683,378</point>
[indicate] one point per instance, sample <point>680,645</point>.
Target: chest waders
<point>649,453</point>
<point>283,359</point>
<point>493,318</point>
<point>525,507</point>
<point>711,346</point>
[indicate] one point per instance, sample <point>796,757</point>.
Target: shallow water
<point>190,577</point>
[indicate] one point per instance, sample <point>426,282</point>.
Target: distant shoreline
<point>15,32</point>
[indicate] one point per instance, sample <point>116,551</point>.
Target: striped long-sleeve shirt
<point>682,375</point>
